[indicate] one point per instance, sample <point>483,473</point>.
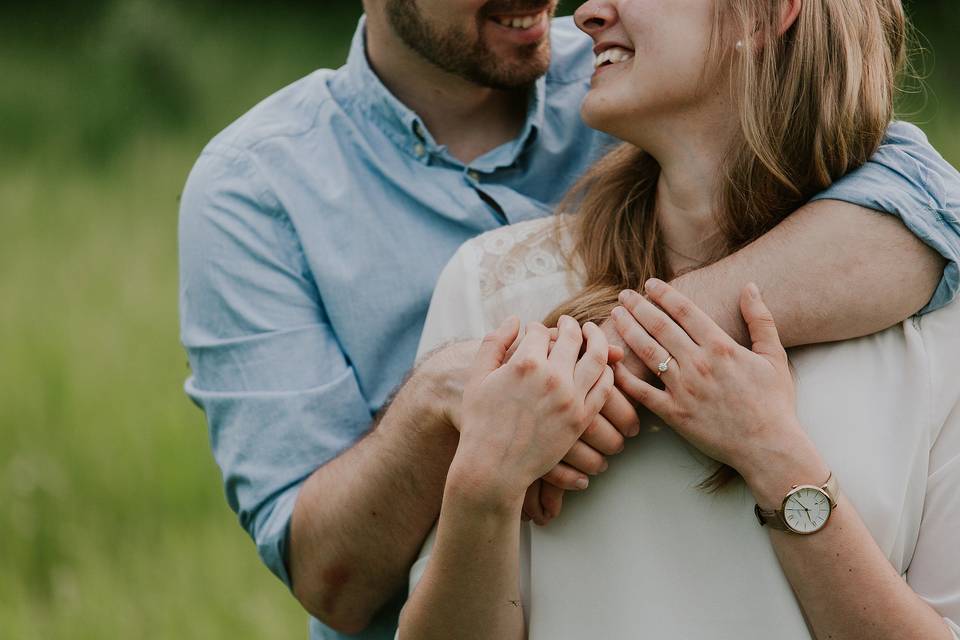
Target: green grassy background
<point>113,519</point>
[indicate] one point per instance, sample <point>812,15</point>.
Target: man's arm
<point>282,402</point>
<point>878,246</point>
<point>359,520</point>
<point>831,271</point>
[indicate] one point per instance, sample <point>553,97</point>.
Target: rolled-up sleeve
<point>909,179</point>
<point>280,397</point>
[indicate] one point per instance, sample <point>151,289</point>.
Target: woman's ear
<point>789,10</point>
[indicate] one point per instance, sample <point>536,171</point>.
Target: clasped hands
<point>541,416</point>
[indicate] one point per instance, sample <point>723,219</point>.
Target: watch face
<point>806,510</point>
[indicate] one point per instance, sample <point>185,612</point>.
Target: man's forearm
<point>831,271</point>
<point>360,520</point>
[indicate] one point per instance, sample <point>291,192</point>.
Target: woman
<point>743,110</point>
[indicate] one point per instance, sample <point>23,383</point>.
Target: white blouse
<point>645,553</point>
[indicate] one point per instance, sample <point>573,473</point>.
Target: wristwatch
<point>804,510</point>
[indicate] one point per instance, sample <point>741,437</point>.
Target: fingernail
<point>619,313</point>
<point>628,296</point>
<point>582,483</point>
<point>604,466</point>
<point>634,431</point>
<point>754,291</point>
<point>653,284</point>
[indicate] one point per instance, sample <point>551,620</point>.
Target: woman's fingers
<point>591,364</point>
<point>656,400</point>
<point>598,395</point>
<point>658,324</point>
<point>494,347</point>
<point>763,330</point>
<point>649,351</point>
<point>697,324</point>
<point>565,351</point>
<point>533,346</point>
<point>585,458</point>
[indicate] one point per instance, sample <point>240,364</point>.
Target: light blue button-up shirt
<point>313,229</point>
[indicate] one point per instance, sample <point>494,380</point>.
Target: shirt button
<point>419,150</point>
<point>473,175</point>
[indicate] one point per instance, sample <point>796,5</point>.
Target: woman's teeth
<point>613,55</point>
<point>521,22</point>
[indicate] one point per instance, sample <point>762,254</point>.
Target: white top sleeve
<point>935,565</point>
<point>934,571</point>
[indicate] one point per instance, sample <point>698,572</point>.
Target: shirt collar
<point>356,84</point>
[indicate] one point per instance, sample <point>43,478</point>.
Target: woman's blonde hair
<point>814,103</point>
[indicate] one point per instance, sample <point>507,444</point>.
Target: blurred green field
<point>114,524</point>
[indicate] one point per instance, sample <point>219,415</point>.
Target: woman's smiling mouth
<point>612,55</point>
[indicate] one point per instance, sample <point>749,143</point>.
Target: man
<point>313,230</point>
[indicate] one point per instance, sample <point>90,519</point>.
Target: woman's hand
<point>522,417</point>
<point>735,404</point>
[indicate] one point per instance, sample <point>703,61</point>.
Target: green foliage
<point>114,521</point>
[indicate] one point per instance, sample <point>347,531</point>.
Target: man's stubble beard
<point>467,55</point>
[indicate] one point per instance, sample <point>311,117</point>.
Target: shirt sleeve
<point>934,571</point>
<point>280,397</point>
<point>908,178</point>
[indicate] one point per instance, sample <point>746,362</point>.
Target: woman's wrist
<point>483,486</point>
<point>772,470</point>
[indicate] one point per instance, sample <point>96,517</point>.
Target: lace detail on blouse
<point>519,252</point>
<point>524,268</point>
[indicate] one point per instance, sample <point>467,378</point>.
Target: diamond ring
<point>663,366</point>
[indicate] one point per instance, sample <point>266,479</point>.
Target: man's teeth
<point>613,55</point>
<point>521,22</point>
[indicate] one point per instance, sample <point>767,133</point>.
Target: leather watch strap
<point>770,518</point>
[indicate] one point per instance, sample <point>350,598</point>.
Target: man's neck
<point>468,119</point>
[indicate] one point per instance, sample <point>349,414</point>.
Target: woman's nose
<point>594,16</point>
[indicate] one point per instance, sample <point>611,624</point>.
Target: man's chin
<point>518,73</point>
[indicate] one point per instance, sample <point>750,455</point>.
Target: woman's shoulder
<point>521,252</point>
<point>517,269</point>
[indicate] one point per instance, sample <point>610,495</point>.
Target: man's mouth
<point>521,22</point>
<point>611,56</point>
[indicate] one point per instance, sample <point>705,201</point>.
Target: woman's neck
<point>691,151</point>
